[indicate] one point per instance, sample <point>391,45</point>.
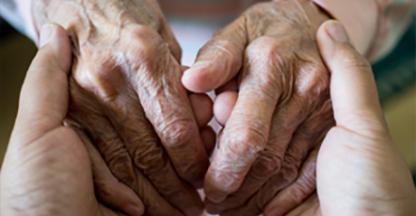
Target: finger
<point>154,202</point>
<point>44,96</point>
<point>297,192</point>
<point>209,137</point>
<point>270,161</point>
<point>139,143</point>
<point>224,105</point>
<point>109,189</point>
<point>353,89</point>
<point>247,129</point>
<point>307,137</point>
<point>256,204</point>
<point>121,165</point>
<point>167,106</point>
<point>219,60</point>
<point>202,107</point>
<point>144,147</point>
<point>86,111</point>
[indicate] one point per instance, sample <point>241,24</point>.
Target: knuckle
<point>249,142</point>
<point>264,48</point>
<point>120,165</point>
<point>224,48</point>
<point>177,134</point>
<point>313,80</point>
<point>268,162</point>
<point>304,185</point>
<point>98,73</point>
<point>149,156</point>
<point>117,158</point>
<point>144,42</point>
<point>264,54</point>
<point>291,166</point>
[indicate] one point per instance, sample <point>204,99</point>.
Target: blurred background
<point>395,74</point>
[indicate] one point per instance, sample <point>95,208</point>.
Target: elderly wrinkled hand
<point>357,159</point>
<point>273,99</point>
<point>47,168</point>
<point>126,94</point>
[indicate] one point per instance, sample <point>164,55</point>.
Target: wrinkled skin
<point>357,156</point>
<point>49,168</point>
<point>125,93</point>
<point>273,99</point>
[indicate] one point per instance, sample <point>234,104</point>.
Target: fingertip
<point>54,41</point>
<point>224,105</point>
<point>197,80</point>
<point>331,35</point>
<point>333,31</point>
<point>205,76</point>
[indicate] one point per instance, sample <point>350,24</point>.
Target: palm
<point>66,184</point>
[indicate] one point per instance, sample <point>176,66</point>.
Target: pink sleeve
<point>373,25</point>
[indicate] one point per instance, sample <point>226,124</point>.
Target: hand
<point>47,169</point>
<point>358,165</point>
<point>125,92</point>
<point>282,109</point>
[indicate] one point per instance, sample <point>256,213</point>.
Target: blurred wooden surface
<point>16,53</point>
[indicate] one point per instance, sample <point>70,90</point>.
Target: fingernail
<point>46,34</point>
<point>337,32</point>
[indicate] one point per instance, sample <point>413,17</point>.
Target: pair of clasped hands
<point>109,123</point>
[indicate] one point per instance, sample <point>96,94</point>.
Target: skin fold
<point>273,89</point>
<point>127,97</point>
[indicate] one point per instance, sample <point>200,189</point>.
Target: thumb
<point>44,95</point>
<point>219,60</point>
<point>353,90</point>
